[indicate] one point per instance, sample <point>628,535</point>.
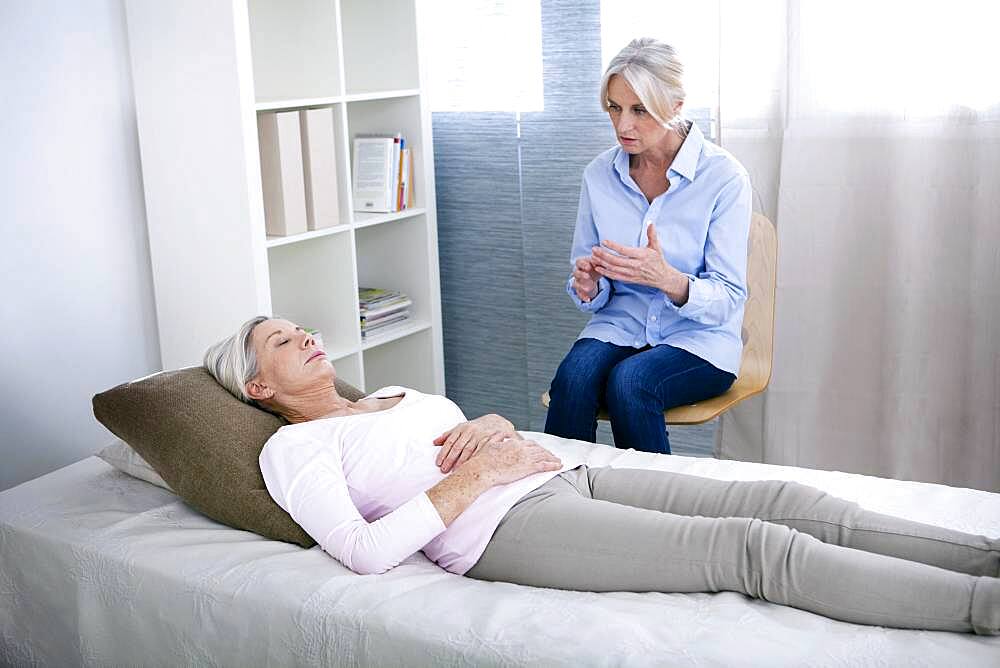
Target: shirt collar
<point>685,162</point>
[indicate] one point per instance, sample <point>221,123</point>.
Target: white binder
<point>319,157</point>
<point>282,179</point>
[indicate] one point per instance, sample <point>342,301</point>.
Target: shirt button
<point>653,318</point>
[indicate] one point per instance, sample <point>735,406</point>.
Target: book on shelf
<point>281,170</point>
<point>406,167</point>
<point>383,325</point>
<point>380,308</point>
<point>376,321</point>
<point>371,296</point>
<point>319,158</point>
<point>383,168</point>
<point>411,197</point>
<point>373,313</point>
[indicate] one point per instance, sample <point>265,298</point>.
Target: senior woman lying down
<point>375,480</point>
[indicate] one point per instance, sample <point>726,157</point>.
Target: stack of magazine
<point>381,309</point>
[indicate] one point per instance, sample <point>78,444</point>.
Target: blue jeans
<point>635,385</point>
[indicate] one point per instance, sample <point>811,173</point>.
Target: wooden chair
<point>758,332</point>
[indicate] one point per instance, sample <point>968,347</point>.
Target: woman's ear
<point>258,391</point>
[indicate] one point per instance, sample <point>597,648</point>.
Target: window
<point>901,57</point>
<point>484,55</point>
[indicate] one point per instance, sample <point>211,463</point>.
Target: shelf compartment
<point>404,362</point>
<point>388,116</point>
<point>395,256</point>
<point>380,45</point>
<point>313,285</point>
<point>295,50</point>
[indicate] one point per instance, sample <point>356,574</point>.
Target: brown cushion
<point>204,443</point>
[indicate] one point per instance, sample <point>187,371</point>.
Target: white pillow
<point>121,455</point>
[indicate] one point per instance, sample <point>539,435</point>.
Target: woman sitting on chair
<point>660,259</point>
<point>375,480</point>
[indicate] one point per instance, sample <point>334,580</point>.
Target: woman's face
<point>288,361</point>
<point>635,127</point>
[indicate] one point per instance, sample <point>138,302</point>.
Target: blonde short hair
<point>233,360</point>
<point>655,73</point>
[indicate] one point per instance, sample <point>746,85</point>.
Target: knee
<point>576,377</point>
<point>754,569</point>
<point>797,498</point>
<point>772,559</point>
<point>628,386</point>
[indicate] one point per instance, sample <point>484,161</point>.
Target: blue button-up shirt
<point>703,223</point>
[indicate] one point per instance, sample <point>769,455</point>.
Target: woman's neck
<point>658,158</point>
<point>313,404</point>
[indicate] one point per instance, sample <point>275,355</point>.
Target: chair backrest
<point>758,313</point>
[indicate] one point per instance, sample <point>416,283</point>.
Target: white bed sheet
<point>97,568</point>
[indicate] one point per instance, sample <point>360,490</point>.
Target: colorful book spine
<point>397,151</point>
<point>410,197</point>
<point>405,191</point>
<point>400,202</point>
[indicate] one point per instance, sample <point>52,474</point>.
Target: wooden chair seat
<point>758,332</point>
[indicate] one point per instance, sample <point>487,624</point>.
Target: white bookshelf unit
<point>203,74</point>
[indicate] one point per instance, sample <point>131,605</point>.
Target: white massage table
<point>98,568</point>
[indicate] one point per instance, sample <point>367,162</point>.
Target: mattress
<point>98,568</point>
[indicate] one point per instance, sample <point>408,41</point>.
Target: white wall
<point>76,305</point>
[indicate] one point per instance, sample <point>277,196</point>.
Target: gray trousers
<point>606,529</point>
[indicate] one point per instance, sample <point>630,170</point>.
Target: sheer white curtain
<point>872,135</point>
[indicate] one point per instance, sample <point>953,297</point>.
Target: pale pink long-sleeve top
<point>357,484</point>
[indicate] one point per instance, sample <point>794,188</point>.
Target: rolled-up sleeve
<point>585,237</point>
<point>312,489</point>
<point>717,291</point>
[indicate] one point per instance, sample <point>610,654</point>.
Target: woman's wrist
<point>507,424</point>
<point>495,421</point>
<point>456,492</point>
<point>676,288</point>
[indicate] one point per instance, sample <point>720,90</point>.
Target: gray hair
<point>233,361</point>
<point>655,73</point>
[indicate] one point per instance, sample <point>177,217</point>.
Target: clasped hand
<point>463,440</point>
<point>492,440</point>
<point>644,265</point>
